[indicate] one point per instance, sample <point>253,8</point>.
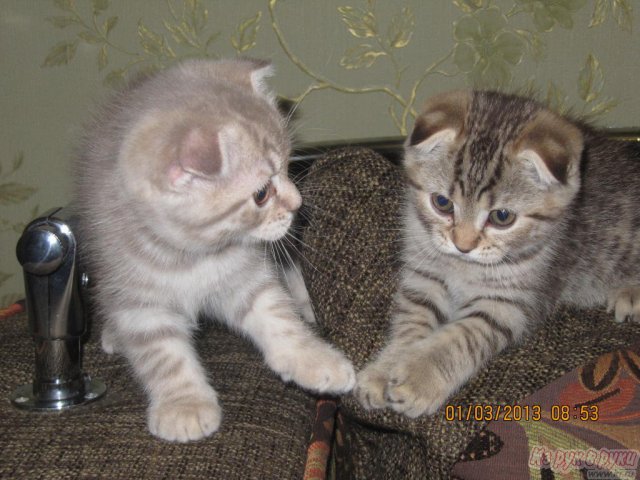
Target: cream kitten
<point>181,180</point>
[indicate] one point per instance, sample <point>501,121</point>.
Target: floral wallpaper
<point>354,69</point>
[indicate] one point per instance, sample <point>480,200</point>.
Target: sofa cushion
<point>351,243</point>
<point>589,424</point>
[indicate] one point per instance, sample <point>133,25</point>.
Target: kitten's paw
<point>319,368</point>
<point>625,302</point>
<point>184,420</point>
<point>371,385</point>
<point>416,387</point>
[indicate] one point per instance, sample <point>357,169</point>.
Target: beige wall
<point>361,68</point>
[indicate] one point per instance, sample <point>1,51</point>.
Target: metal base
<point>24,399</point>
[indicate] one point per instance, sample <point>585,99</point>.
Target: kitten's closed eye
<point>262,196</point>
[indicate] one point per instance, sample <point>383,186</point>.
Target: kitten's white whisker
<point>298,252</point>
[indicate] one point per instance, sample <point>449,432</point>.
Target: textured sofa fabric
<point>265,429</point>
<point>355,197</point>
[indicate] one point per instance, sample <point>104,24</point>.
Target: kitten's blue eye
<point>442,203</point>
<point>262,195</point>
<point>502,218</point>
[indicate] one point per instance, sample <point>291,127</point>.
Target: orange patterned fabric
<point>14,309</point>
<point>588,427</point>
<point>321,437</point>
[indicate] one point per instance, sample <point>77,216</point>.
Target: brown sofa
<point>272,430</point>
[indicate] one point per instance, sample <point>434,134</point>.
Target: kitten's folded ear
<point>553,145</point>
<point>260,71</point>
<point>442,118</point>
<point>249,72</point>
<point>198,156</point>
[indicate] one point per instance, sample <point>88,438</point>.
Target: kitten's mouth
<point>474,259</point>
<point>274,233</point>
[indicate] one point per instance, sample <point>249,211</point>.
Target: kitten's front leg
<point>291,348</point>
<point>183,406</point>
<point>430,371</point>
<point>420,308</point>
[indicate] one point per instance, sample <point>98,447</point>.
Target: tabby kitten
<point>510,210</point>
<point>181,181</point>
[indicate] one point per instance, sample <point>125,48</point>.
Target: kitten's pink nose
<point>463,249</point>
<point>465,239</point>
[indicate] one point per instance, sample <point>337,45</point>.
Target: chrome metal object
<point>47,251</point>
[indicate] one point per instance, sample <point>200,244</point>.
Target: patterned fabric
<point>321,438</point>
<point>349,245</point>
<point>13,309</point>
<point>589,426</point>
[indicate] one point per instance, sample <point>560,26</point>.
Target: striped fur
<point>172,228</point>
<point>470,287</point>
